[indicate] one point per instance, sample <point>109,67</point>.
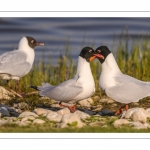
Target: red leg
<point>119,111</point>
<point>71,108</point>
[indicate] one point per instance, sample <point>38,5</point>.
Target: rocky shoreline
<point>87,114</point>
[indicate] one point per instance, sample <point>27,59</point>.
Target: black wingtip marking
<point>34,87</point>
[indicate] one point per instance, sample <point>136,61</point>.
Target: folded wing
<point>128,92</point>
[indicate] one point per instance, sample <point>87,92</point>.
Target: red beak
<point>40,43</point>
<point>99,56</point>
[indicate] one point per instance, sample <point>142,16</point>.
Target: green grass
<point>47,128</point>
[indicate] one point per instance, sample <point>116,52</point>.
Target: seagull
<point>17,63</point>
<point>78,88</point>
<point>118,86</point>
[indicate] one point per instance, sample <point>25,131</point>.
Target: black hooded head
<point>104,51</point>
<point>87,53</point>
<point>33,43</point>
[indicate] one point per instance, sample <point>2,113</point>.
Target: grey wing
<point>129,92</point>
<point>62,93</point>
<point>14,63</point>
<point>123,78</point>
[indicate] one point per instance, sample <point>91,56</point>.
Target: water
<point>57,32</point>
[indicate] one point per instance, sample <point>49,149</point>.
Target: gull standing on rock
<point>120,87</point>
<point>78,88</point>
<point>16,64</point>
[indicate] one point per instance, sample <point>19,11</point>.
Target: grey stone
<point>4,112</point>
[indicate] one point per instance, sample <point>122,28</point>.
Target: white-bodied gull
<point>120,87</point>
<point>80,87</point>
<point>17,63</point>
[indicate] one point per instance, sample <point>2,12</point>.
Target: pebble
<point>27,113</point>
<point>54,116</point>
<point>106,100</point>
<point>139,115</point>
<point>41,111</point>
<point>63,111</point>
<point>86,102</point>
<point>120,122</point>
<point>130,112</point>
<point>72,119</point>
<point>3,122</point>
<point>38,121</point>
<point>28,118</point>
<point>139,125</point>
<point>82,114</point>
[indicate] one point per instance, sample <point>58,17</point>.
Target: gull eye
<point>98,51</point>
<point>90,51</point>
<point>32,41</point>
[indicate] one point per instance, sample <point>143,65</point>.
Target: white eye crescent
<point>90,51</point>
<point>98,51</point>
<point>32,41</point>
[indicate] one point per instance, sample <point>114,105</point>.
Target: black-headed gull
<point>80,87</point>
<point>120,87</point>
<point>16,64</point>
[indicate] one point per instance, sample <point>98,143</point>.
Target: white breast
<point>109,70</point>
<point>85,79</point>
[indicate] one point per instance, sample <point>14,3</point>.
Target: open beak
<point>99,56</point>
<point>40,44</point>
<point>92,57</point>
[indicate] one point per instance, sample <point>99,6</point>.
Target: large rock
<point>63,111</point>
<point>120,122</point>
<point>72,119</point>
<point>54,116</point>
<point>27,113</point>
<point>4,112</point>
<point>41,111</point>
